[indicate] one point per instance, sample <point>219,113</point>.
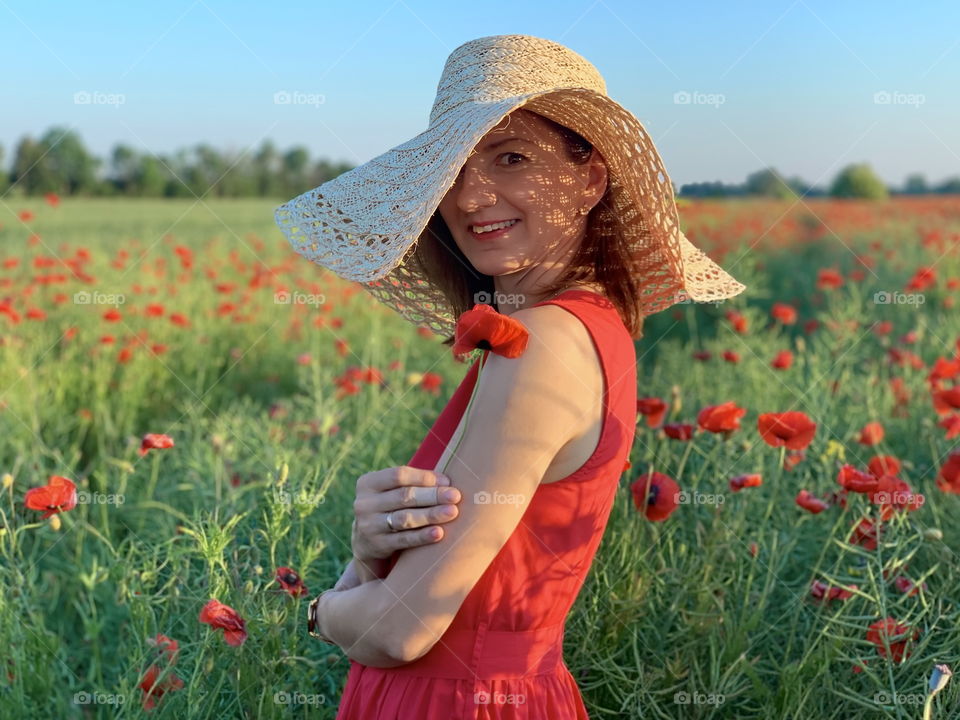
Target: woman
<point>532,191</point>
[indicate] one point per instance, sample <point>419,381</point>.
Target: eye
<point>513,154</point>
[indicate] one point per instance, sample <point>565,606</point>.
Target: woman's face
<point>520,171</point>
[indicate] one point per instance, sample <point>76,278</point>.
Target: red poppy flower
<point>793,459</point>
<point>653,409</point>
<point>786,314</point>
<point>655,495</point>
<point>484,328</point>
<point>155,441</point>
<point>223,617</point>
<point>738,321</point>
<point>883,465</point>
<point>890,633</point>
<point>948,479</point>
<point>724,418</point>
<point>431,383</point>
<point>821,591</point>
<point>951,423</point>
<point>945,401</point>
<point>290,581</point>
<point>153,691</point>
<point>865,533</point>
<point>793,429</point>
<point>809,502</point>
<point>907,586</point>
<point>731,357</point>
<point>678,431</point>
<point>829,279</point>
<point>58,495</point>
<point>923,278</point>
<point>857,481</point>
<point>167,648</point>
<point>871,434</point>
<point>894,494</point>
<point>783,360</point>
<point>741,481</point>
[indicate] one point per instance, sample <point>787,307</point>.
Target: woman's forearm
<point>355,620</point>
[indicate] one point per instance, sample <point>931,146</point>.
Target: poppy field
<point>186,406</point>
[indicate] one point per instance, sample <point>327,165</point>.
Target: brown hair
<point>603,257</point>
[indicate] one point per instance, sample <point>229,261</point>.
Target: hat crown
<point>498,67</point>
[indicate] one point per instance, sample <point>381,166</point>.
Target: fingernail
<point>443,480</point>
<point>449,495</point>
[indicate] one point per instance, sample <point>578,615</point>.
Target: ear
<point>596,177</point>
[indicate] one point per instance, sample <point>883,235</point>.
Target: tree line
<point>59,162</point>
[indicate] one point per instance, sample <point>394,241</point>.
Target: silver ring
<point>390,522</point>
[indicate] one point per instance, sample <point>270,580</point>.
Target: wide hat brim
<point>365,223</point>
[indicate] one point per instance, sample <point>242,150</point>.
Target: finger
<point>400,476</point>
<point>417,497</point>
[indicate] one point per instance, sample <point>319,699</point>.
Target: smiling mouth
<point>491,229</point>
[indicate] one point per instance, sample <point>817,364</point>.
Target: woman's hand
<point>416,501</point>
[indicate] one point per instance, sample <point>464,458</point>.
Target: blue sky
<point>797,78</point>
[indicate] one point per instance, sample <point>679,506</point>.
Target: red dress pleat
<point>502,656</point>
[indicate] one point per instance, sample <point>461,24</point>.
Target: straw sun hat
<point>364,224</point>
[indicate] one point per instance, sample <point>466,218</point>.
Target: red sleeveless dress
<point>502,656</point>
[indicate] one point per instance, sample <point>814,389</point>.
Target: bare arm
<point>354,620</point>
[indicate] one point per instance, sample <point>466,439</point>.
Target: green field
<point>707,614</point>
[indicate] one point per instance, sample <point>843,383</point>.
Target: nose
<point>474,190</point>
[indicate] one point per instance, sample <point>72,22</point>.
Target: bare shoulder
<point>559,333</point>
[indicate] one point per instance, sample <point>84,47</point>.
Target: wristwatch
<point>312,624</point>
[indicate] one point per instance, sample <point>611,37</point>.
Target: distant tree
<point>858,181</point>
<point>950,186</point>
<point>915,185</point>
<point>768,183</point>
<point>74,168</point>
<point>31,169</point>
